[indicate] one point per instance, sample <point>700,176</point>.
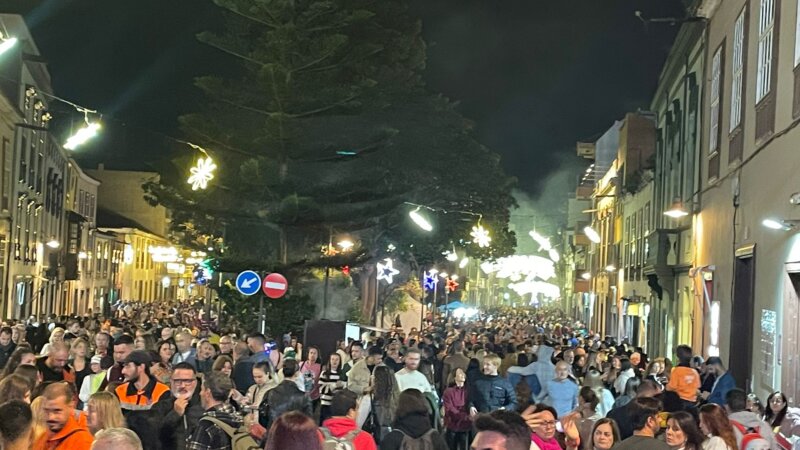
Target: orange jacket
<point>685,382</point>
<point>72,437</point>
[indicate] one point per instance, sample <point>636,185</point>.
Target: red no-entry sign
<point>275,285</point>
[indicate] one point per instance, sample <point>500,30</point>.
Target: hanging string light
<point>203,171</point>
<point>480,235</point>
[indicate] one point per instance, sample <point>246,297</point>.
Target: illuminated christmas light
<point>480,236</point>
<point>431,280</point>
<point>202,173</point>
<point>452,285</point>
<point>387,271</point>
<point>463,263</point>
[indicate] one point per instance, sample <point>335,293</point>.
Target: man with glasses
<point>225,346</point>
<point>183,410</point>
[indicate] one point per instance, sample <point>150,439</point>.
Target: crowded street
<point>399,225</point>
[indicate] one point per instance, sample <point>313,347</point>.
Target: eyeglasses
<point>549,424</point>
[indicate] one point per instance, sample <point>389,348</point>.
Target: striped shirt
<point>327,386</point>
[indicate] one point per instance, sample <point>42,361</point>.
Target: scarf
<point>550,444</point>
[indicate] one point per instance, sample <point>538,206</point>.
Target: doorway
<point>741,333</point>
<point>790,349</point>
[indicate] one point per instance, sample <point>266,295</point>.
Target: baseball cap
<point>138,357</point>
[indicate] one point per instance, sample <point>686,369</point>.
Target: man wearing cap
<point>138,397</point>
<point>140,390</point>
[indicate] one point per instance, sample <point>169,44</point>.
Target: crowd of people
<point>157,376</point>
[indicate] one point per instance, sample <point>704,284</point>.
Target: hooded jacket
<point>284,398</point>
<point>413,425</point>
<point>750,420</point>
<point>544,369</point>
<point>340,426</point>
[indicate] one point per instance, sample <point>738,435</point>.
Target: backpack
<point>346,442</point>
<point>424,442</point>
<point>751,438</point>
<point>240,438</point>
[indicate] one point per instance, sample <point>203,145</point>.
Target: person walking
<point>63,430</point>
<point>342,428</point>
<point>490,392</point>
<point>412,427</point>
<point>209,433</point>
<point>457,422</point>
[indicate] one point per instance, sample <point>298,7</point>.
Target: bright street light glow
<point>610,268</point>
<point>543,242</point>
<point>421,221</point>
<point>776,224</point>
<point>463,263</point>
<point>592,234</point>
<point>454,277</point>
<point>443,275</point>
<point>586,276</point>
<point>202,173</point>
<point>52,243</point>
<point>81,136</point>
<point>452,256</point>
<point>346,244</point>
<point>554,255</point>
<point>7,44</point>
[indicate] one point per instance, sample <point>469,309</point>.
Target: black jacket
<point>174,428</point>
<point>412,425</point>
<point>283,398</point>
<point>5,353</point>
<point>490,393</point>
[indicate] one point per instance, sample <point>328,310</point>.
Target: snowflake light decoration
<point>480,236</point>
<point>202,173</point>
<point>387,271</point>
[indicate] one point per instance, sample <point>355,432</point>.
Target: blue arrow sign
<point>248,282</point>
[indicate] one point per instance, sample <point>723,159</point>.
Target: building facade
<point>36,195</point>
<point>748,248</point>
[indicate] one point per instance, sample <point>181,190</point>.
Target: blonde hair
<point>492,358</point>
<point>74,346</point>
<point>56,330</point>
<point>39,424</point>
<point>109,412</point>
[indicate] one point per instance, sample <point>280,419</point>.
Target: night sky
<point>534,75</point>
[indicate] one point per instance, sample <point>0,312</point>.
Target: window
<point>737,71</point>
<point>716,78</point>
<point>766,26</point>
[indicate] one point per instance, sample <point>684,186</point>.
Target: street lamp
<point>82,135</point>
<point>677,210</point>
<point>780,224</point>
<point>7,44</point>
<point>592,234</point>
<point>420,220</point>
<point>346,245</point>
<point>53,243</point>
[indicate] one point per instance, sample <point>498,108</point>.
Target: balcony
<point>660,259</point>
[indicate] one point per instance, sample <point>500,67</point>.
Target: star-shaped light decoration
<point>480,236</point>
<point>452,285</point>
<point>202,173</point>
<point>431,280</point>
<point>387,271</point>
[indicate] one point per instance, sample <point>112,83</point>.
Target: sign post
<point>274,286</point>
